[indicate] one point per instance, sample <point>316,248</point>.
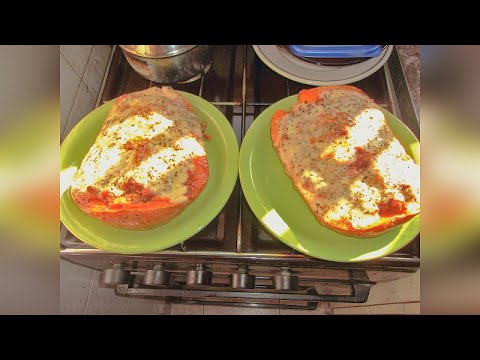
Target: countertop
<point>410,58</point>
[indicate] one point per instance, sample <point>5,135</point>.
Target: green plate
<point>281,209</point>
<point>222,152</point>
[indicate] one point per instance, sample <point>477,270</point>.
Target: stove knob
<point>200,276</point>
<point>242,279</point>
<point>116,275</point>
<point>157,276</point>
<point>285,280</point>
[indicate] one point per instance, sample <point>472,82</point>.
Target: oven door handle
<point>360,284</point>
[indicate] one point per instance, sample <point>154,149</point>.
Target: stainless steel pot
<point>168,64</point>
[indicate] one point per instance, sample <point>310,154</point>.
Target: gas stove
<point>235,261</point>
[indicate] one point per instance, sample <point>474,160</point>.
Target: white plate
<point>312,74</point>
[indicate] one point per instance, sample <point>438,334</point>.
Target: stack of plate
<point>308,65</point>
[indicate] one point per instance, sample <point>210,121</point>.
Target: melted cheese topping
<point>364,128</point>
<point>150,137</point>
<point>345,161</point>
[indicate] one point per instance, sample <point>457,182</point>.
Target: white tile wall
<point>231,310</point>
<point>140,306</point>
<point>77,56</point>
<point>96,68</point>
<point>69,83</point>
<point>387,309</point>
<point>82,70</point>
<point>412,308</point>
<point>75,287</point>
<point>83,104</point>
<point>184,309</point>
<point>359,310</point>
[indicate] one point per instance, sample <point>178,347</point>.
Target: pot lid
<point>157,51</point>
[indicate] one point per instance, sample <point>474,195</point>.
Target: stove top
<point>241,86</point>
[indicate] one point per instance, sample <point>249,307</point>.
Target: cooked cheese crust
<point>344,160</point>
<point>147,163</point>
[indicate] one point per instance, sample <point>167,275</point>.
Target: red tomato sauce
<point>392,208</point>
